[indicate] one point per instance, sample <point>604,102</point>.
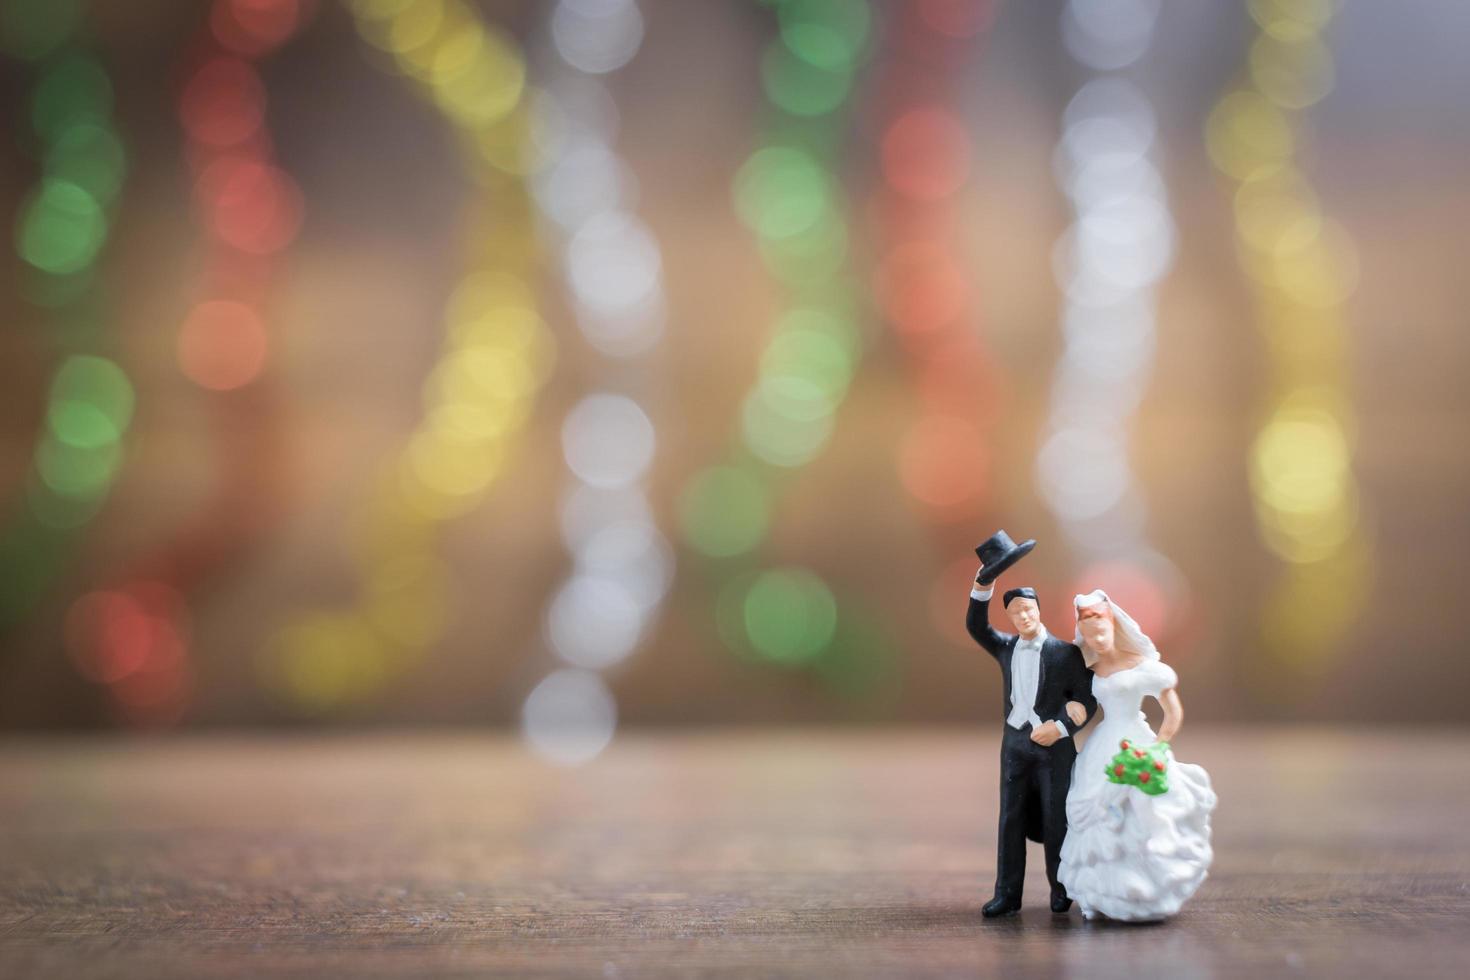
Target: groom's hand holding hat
<point>998,553</point>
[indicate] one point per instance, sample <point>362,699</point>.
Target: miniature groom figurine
<point>1048,697</point>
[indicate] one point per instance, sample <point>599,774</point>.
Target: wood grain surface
<point>789,853</point>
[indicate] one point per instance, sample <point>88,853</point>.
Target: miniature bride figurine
<point>1138,822</point>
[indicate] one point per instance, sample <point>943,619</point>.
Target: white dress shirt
<point>1025,676</point>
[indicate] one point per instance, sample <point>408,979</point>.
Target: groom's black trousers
<point>1033,802</point>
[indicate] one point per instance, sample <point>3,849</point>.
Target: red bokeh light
<point>223,104</point>
<point>116,635</point>
<point>107,635</point>
<point>1132,587</point>
<point>252,205</point>
<point>926,154</point>
<point>254,27</point>
<point>956,18</point>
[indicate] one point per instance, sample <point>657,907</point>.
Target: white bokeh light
<point>597,36</point>
<point>1108,34</point>
<point>585,510</point>
<point>608,440</point>
<point>613,263</point>
<point>585,180</point>
<point>595,621</point>
<point>1108,265</point>
<point>569,717</point>
<point>636,554</point>
<point>1083,472</point>
<point>613,268</point>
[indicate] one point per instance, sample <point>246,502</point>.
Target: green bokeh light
<point>813,356</point>
<point>75,90</point>
<point>815,254</point>
<point>92,157</point>
<point>73,472</point>
<point>724,511</point>
<point>800,87</point>
<point>730,615</point>
<point>780,192</point>
<point>56,513</point>
<point>829,316</point>
<point>829,34</point>
<point>97,382</point>
<point>31,29</point>
<point>863,663</point>
<point>82,425</point>
<point>790,615</point>
<point>786,422</point>
<point>61,228</point>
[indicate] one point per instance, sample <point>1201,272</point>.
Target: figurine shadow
<point>908,918</point>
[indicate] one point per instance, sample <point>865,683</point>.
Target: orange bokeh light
<point>921,287</point>
<point>943,462</point>
<point>223,345</point>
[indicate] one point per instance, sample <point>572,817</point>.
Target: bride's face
<point>1096,626</point>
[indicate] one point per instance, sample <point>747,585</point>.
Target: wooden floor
<point>742,854</point>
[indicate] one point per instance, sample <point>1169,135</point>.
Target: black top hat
<point>1000,553</point>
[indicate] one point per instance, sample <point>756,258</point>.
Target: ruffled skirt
<point>1135,857</point>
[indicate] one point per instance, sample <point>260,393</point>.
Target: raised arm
<point>977,620</point>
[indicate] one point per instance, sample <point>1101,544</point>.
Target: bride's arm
<point>1173,714</point>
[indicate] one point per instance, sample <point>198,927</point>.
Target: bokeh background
<point>560,366</point>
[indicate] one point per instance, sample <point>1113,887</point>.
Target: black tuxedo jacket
<point>1064,674</point>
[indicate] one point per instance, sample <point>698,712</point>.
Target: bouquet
<point>1146,767</point>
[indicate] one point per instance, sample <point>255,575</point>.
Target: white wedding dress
<point>1128,855</point>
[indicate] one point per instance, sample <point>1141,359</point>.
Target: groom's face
<point>1024,616</point>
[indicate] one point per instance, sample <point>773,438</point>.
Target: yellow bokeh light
<point>1291,20</point>
<point>1319,272</point>
<point>415,26</point>
<point>1313,605</point>
<point>455,53</point>
<point>1277,212</point>
<point>488,292</point>
<point>453,467</point>
<point>379,9</point>
<point>327,661</point>
<point>1299,462</point>
<point>489,376</point>
<point>497,353</point>
<point>1247,137</point>
<point>1303,268</point>
<point>1292,75</point>
<point>486,88</point>
<point>507,147</point>
<point>1302,537</point>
